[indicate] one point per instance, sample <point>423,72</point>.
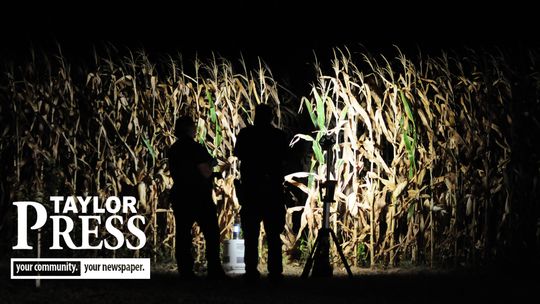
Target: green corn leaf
<point>320,112</point>
<point>410,211</point>
<point>150,150</point>
<point>317,149</point>
<point>343,113</point>
<point>410,153</point>
<point>213,117</point>
<point>311,178</point>
<point>318,152</point>
<point>309,107</point>
<point>410,142</point>
<point>219,137</point>
<point>407,106</point>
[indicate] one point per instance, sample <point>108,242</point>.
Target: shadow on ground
<point>406,286</point>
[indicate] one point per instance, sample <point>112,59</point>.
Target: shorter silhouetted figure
<point>191,170</point>
<point>262,150</point>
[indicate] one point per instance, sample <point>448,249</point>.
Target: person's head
<point>263,115</point>
<point>185,127</point>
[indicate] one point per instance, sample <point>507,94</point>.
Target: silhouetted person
<point>262,150</point>
<point>191,170</point>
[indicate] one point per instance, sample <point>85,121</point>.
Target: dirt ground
<point>412,285</point>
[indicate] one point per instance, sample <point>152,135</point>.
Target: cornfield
<point>423,157</point>
<point>424,147</point>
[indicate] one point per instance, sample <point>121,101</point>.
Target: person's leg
<point>184,257</point>
<point>251,229</point>
<point>274,222</point>
<point>208,221</point>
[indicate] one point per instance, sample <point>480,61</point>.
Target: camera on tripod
<point>327,141</point>
<point>319,258</point>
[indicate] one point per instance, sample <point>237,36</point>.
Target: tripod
<point>319,258</point>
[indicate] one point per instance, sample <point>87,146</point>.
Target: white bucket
<point>233,257</point>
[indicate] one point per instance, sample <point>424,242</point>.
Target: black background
<point>285,34</point>
<point>279,29</point>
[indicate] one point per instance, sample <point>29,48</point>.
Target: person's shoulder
<point>198,146</point>
<point>249,128</point>
<point>197,150</point>
<point>279,132</point>
<point>246,131</point>
<point>186,145</point>
<point>174,146</point>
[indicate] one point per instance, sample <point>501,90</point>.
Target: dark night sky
<point>283,33</point>
<point>271,26</point>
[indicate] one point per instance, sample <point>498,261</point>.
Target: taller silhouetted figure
<point>262,151</point>
<point>191,170</point>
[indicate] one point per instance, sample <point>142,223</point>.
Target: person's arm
<point>238,148</point>
<point>204,162</point>
<point>205,170</point>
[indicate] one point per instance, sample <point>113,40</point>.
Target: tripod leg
<point>321,261</point>
<point>309,262</point>
<point>338,246</point>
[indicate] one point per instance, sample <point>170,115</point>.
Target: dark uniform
<point>192,202</point>
<point>262,151</point>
